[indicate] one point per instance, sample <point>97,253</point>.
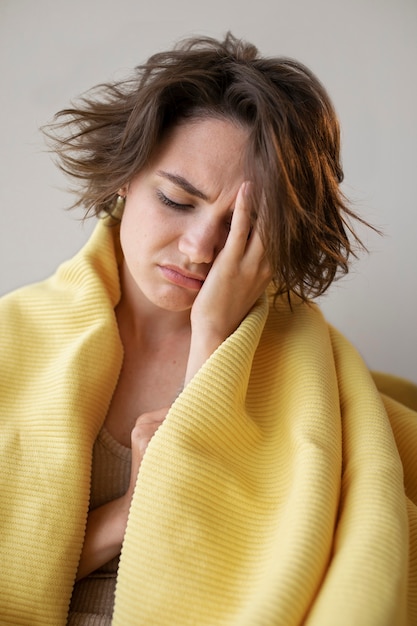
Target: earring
<point>117,207</point>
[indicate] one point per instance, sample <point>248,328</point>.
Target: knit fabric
<point>281,488</point>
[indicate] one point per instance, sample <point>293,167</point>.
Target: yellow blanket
<point>273,494</point>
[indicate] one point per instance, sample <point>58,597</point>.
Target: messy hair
<point>292,155</point>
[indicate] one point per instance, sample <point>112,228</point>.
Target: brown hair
<point>293,154</point>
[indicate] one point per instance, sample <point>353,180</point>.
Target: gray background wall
<point>365,52</point>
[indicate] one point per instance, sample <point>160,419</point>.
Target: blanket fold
<point>280,490</point>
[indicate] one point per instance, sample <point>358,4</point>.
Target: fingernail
<point>247,186</point>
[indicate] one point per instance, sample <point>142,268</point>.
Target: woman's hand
<point>146,426</point>
<point>238,276</point>
<point>106,525</point>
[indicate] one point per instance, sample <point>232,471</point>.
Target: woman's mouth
<point>181,277</point>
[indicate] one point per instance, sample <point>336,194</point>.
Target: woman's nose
<point>201,242</point>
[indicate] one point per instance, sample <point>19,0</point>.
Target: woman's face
<point>178,211</point>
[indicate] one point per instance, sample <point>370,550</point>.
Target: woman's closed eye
<point>171,203</point>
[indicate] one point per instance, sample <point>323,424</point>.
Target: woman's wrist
<point>202,346</point>
<point>104,535</point>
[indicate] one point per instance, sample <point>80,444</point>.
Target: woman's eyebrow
<point>183,183</point>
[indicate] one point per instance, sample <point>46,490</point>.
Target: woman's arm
<point>106,525</point>
<point>104,534</point>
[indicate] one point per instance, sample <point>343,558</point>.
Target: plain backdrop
<point>364,51</point>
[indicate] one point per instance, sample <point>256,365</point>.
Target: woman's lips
<point>181,277</point>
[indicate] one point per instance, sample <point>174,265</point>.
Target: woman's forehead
<point>210,150</point>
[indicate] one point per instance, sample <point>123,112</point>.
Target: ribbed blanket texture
<point>281,489</point>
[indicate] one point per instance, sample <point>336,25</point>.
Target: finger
<point>145,427</point>
<point>255,242</point>
<point>240,227</point>
<point>255,248</point>
<point>153,416</point>
<point>142,434</point>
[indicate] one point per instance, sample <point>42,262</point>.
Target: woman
<point>271,491</point>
